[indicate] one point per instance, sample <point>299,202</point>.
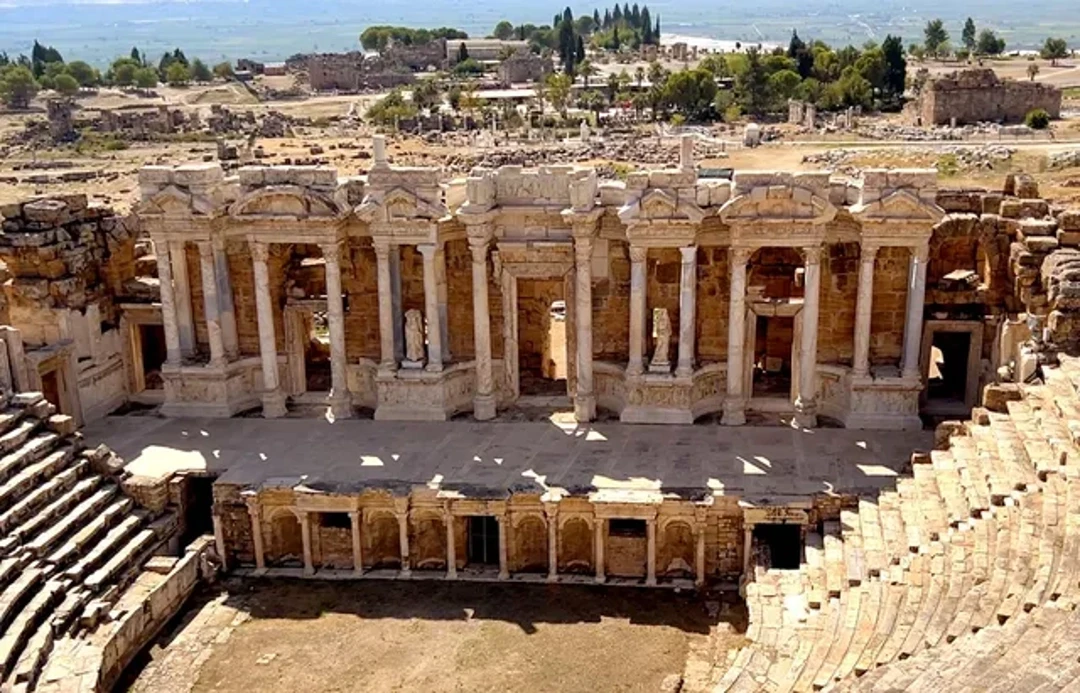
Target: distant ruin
<point>979,95</point>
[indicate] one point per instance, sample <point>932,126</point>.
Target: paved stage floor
<point>751,462</point>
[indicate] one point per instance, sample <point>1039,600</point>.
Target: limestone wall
<point>972,96</point>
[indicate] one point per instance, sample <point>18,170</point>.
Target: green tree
<point>200,72</point>
<point>462,52</point>
<point>66,85</point>
<point>752,84</point>
<point>85,75</point>
<point>1054,49</point>
<point>892,48</point>
<point>783,85</point>
<point>17,86</point>
<point>427,94</point>
<point>146,78</point>
<point>123,72</point>
<point>936,38</point>
<point>567,42</point>
<point>224,70</point>
<point>558,90</point>
<point>968,35</point>
<point>587,70</point>
<point>1037,119</point>
<point>504,31</point>
<point>691,92</point>
<point>388,110</point>
<point>592,100</point>
<point>177,74</point>
<point>989,43</point>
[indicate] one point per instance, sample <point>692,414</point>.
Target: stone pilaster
<point>387,363</point>
<point>638,307</point>
<point>305,536</point>
<point>168,304</point>
<point>650,557</point>
<point>864,311</point>
<point>551,510</point>
<point>806,403</point>
<point>699,555</point>
<point>182,293</point>
<point>687,310</point>
<point>227,310</point>
<point>355,522</point>
<point>599,525</point>
<point>431,308</point>
<point>256,533</point>
<point>735,402</point>
<point>402,514</point>
<point>273,398</point>
<point>504,557</point>
<point>484,400</point>
<point>340,401</point>
<point>585,397</point>
<point>451,547</point>
<point>913,323</point>
<point>211,304</point>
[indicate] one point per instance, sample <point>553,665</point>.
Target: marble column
<point>182,294</point>
<point>585,398</point>
<point>355,519</point>
<point>226,309</point>
<point>699,556</point>
<point>687,311</point>
<point>257,535</point>
<point>403,541</point>
<point>735,402</point>
<point>484,400</point>
<point>864,311</point>
<point>168,305</point>
<point>441,286</point>
<point>913,323</point>
<point>748,545</point>
<point>638,301</point>
<point>504,557</point>
<point>210,304</point>
<point>305,535</point>
<point>598,547</point>
<point>553,543</point>
<point>431,308</point>
<point>806,403</point>
<point>650,557</point>
<point>387,363</point>
<point>451,549</point>
<point>340,402</point>
<point>273,398</point>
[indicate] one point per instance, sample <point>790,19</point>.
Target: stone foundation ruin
<point>977,96</point>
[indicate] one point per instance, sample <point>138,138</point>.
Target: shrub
<point>1037,119</point>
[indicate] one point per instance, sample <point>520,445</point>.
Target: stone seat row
<point>985,531</point>
<point>71,539</point>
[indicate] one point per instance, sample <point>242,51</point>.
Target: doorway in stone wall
<point>50,387</point>
<point>542,337</point>
<point>774,340</point>
<point>778,546</point>
<point>951,365</point>
<point>483,547</point>
<point>152,348</point>
<point>317,353</point>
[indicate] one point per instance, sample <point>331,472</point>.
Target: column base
<point>734,414</point>
<point>635,368</point>
<point>451,575</point>
<point>585,408</point>
<point>684,371</point>
<point>484,407</point>
<point>340,407</point>
<point>273,404</point>
<point>601,579</point>
<point>650,582</point>
<point>504,576</point>
<point>805,414</point>
<point>553,577</point>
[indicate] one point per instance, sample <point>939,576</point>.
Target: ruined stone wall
<point>459,308</point>
<point>353,72</point>
<point>198,305</point>
<point>361,284</point>
<point>839,293</point>
<point>713,299</point>
<point>611,307</point>
<point>890,306</point>
<point>972,96</point>
<point>535,297</point>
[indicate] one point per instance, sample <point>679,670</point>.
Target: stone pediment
<point>658,205</point>
<point>899,206</point>
<point>287,202</point>
<point>778,205</point>
<point>399,205</point>
<point>176,202</point>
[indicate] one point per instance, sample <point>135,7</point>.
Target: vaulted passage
<point>778,546</point>
<point>542,337</point>
<point>772,356</point>
<point>947,380</point>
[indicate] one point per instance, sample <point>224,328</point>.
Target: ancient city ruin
<point>449,312</point>
<point>979,95</point>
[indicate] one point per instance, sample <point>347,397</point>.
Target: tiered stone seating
<point>965,577</point>
<point>69,537</point>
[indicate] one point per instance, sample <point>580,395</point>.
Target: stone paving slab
<point>752,462</point>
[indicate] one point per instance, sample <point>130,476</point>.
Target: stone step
<point>30,451</point>
<point>78,543</point>
<point>855,570</point>
<point>893,596</point>
<point>41,495</point>
<point>32,660</point>
<point>9,418</point>
<point>146,266</point>
<point>122,560</point>
<point>25,623</point>
<point>16,488</point>
<point>845,633</point>
<point>13,596</point>
<point>835,570</point>
<point>873,541</point>
<point>50,513</point>
<point>64,614</point>
<point>1006,525</point>
<point>79,516</point>
<point>829,618</point>
<point>814,550</point>
<point>108,545</point>
<point>972,474</point>
<point>17,434</point>
<point>947,477</point>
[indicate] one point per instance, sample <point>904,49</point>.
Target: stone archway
<point>428,543</point>
<point>530,545</point>
<point>676,552</point>
<point>383,548</point>
<point>286,546</point>
<point>576,547</point>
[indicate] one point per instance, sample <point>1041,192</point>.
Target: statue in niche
<point>414,339</point>
<point>661,362</point>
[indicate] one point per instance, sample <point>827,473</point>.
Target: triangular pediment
<point>175,202</point>
<point>660,205</point>
<point>398,205</point>
<point>288,201</point>
<point>778,204</point>
<point>901,205</point>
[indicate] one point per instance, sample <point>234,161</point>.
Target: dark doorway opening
<point>483,540</point>
<point>317,353</point>
<point>152,341</point>
<point>622,527</point>
<point>50,387</point>
<point>542,338</point>
<point>773,341</point>
<point>778,546</point>
<point>198,508</point>
<point>947,379</point>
